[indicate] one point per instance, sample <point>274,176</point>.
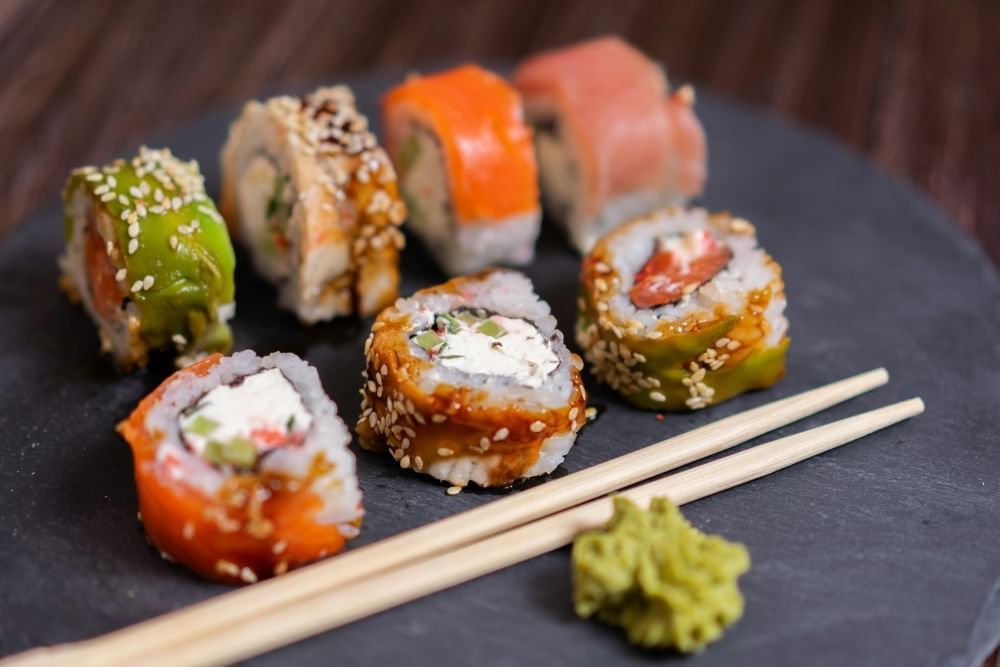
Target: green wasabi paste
<point>662,580</point>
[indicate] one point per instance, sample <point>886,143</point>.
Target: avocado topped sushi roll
<point>149,257</point>
<point>243,467</point>
<point>682,309</point>
<point>470,381</point>
<point>312,196</point>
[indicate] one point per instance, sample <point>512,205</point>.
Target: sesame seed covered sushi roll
<point>470,381</point>
<point>466,167</point>
<point>149,258</point>
<point>613,141</point>
<point>243,467</point>
<point>311,194</point>
<point>681,309</point>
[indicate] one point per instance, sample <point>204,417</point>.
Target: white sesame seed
<point>454,490</point>
<point>444,451</point>
<point>657,396</point>
<point>501,434</point>
<point>173,242</point>
<point>537,426</point>
<point>112,181</point>
<point>176,203</point>
<point>133,229</point>
<point>404,462</point>
<point>135,192</point>
<point>248,575</point>
<point>179,340</point>
<point>137,286</point>
<point>123,200</point>
<point>133,245</point>
<point>97,176</point>
<point>121,275</point>
<point>484,443</point>
<point>573,413</point>
<point>148,281</point>
<point>108,196</point>
<point>418,463</point>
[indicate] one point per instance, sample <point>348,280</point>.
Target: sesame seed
<point>135,192</point>
<point>657,396</point>
<point>404,462</point>
<point>97,176</point>
<point>148,281</point>
<point>444,451</point>
<point>439,419</point>
<point>137,286</point>
<point>133,230</point>
<point>502,433</point>
<point>123,200</point>
<point>418,463</point>
<point>248,575</point>
<point>590,413</point>
<point>173,242</point>
<point>537,426</point>
<point>484,443</point>
<point>179,340</point>
<point>112,181</point>
<point>133,245</point>
<point>121,275</point>
<point>573,413</point>
<point>176,203</point>
<point>281,568</point>
<point>454,490</point>
<point>278,547</point>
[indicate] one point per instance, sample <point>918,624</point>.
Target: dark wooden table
<point>911,83</point>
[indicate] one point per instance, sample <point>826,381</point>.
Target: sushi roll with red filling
<point>311,194</point>
<point>612,140</point>
<point>470,381</point>
<point>243,467</point>
<point>149,258</point>
<point>680,310</point>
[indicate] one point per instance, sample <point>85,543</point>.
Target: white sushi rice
<point>747,271</point>
<point>460,246</point>
<point>508,293</point>
<point>327,437</point>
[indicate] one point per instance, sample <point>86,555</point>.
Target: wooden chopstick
<point>206,617</point>
<point>329,609</point>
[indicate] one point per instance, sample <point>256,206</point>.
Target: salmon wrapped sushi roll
<point>312,196</point>
<point>466,167</point>
<point>149,258</point>
<point>682,309</point>
<point>243,467</point>
<point>613,142</point>
<point>470,381</point>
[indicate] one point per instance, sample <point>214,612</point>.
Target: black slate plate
<point>884,552</point>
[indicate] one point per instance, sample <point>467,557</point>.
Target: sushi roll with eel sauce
<point>310,193</point>
<point>466,167</point>
<point>682,309</point>
<point>613,142</point>
<point>243,467</point>
<point>470,381</point>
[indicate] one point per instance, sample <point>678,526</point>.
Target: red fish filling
<point>104,289</point>
<point>680,264</point>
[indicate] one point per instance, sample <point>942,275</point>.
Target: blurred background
<point>911,83</point>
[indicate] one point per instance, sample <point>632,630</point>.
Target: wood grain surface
<point>911,83</point>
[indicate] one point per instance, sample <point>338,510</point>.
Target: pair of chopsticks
<point>393,571</point>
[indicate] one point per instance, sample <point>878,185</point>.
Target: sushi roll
<point>470,381</point>
<point>466,167</point>
<point>681,309</point>
<point>311,194</point>
<point>612,141</point>
<point>243,467</point>
<point>149,258</point>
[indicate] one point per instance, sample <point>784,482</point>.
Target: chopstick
<point>206,617</point>
<point>329,609</point>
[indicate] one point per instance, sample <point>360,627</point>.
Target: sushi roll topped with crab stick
<point>149,257</point>
<point>312,196</point>
<point>470,382</point>
<point>613,141</point>
<point>466,167</point>
<point>682,309</point>
<point>243,467</point>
